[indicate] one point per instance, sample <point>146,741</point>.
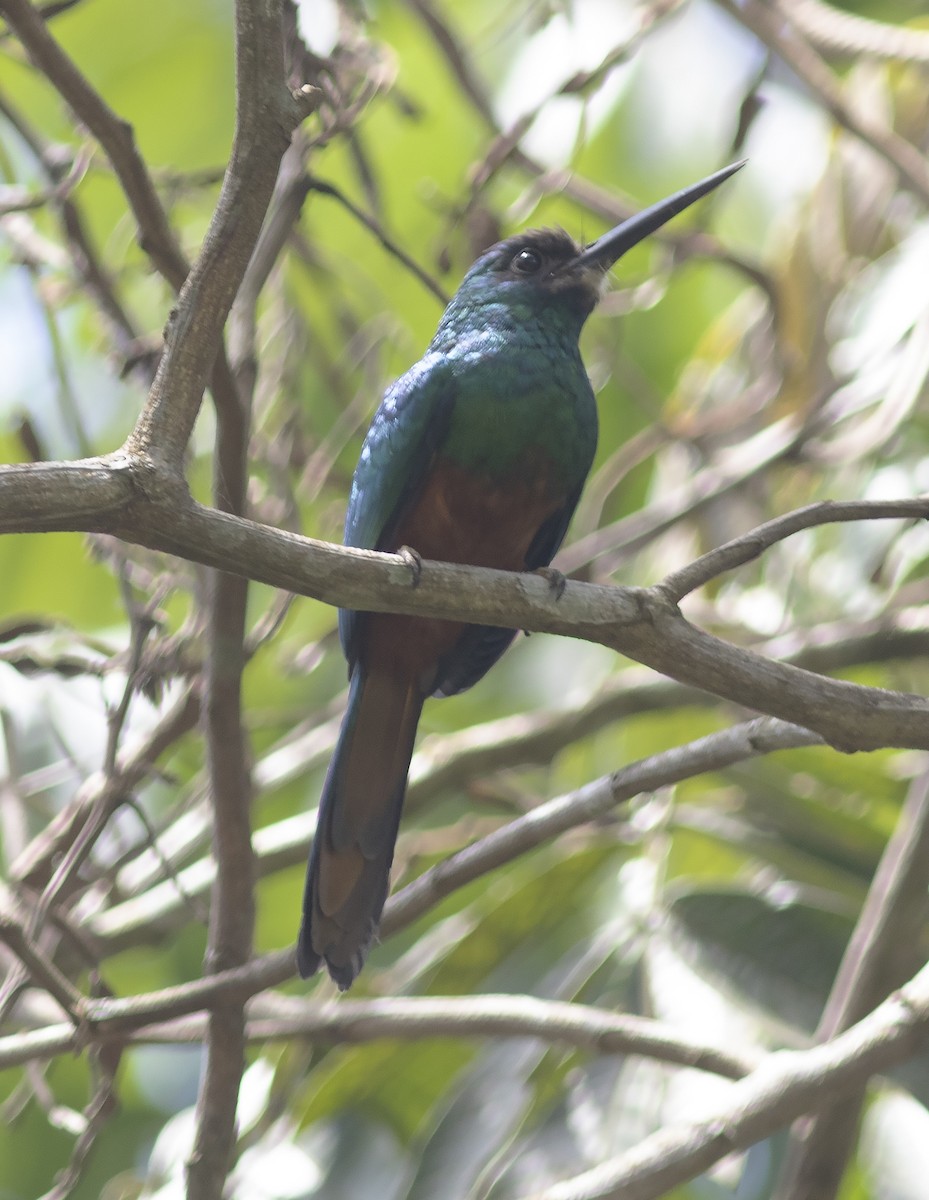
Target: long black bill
<point>613,245</point>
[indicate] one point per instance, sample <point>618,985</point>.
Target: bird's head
<point>534,270</point>
<point>545,270</point>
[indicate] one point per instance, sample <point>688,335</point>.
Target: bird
<point>477,455</point>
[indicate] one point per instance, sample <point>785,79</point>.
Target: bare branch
<point>730,470</point>
<point>86,261</point>
<point>554,817</point>
<point>640,623</point>
<point>102,1107</point>
<point>263,127</point>
<point>275,1017</point>
<point>760,445</point>
<point>749,546</point>
<point>787,1084</point>
<point>578,1025</point>
<point>164,905</point>
<point>34,865</point>
<point>38,968</point>
<point>371,224</point>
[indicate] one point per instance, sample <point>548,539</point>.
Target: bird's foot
<point>556,580</point>
<point>414,560</point>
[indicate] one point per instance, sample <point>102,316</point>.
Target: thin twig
<point>115,136</point>
<point>594,800</point>
<point>370,223</point>
<point>34,865</point>
<point>749,546</point>
<point>39,969</point>
<point>273,1018</point>
<point>85,259</point>
<point>100,1109</point>
<point>731,469</point>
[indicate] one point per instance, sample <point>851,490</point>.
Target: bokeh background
<point>767,350</point>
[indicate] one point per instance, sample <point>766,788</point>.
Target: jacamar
<point>477,455</point>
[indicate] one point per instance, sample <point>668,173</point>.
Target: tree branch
<point>881,953</point>
<point>848,34</point>
<point>266,117</point>
<point>554,817</point>
<point>751,545</point>
<point>787,1084</point>
<point>275,1017</point>
<point>264,124</point>
<point>638,622</point>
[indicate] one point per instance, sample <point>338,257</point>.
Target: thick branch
<point>640,623</point>
<point>263,127</point>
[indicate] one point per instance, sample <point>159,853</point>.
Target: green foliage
<point>723,903</point>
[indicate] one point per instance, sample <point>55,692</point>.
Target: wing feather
<point>408,429</point>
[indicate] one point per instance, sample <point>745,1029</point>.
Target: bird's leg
<point>556,583</point>
<point>555,579</point>
<point>414,560</point>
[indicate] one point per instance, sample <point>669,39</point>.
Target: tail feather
<point>349,869</point>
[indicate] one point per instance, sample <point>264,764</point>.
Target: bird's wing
<point>545,544</point>
<point>480,646</point>
<point>406,432</point>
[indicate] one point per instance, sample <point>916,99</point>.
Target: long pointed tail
<point>349,869</point>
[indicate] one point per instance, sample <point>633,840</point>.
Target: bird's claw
<point>414,560</point>
<point>556,580</point>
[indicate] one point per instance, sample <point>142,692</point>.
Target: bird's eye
<point>527,262</point>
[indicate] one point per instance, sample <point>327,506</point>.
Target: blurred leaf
<point>364,1080</point>
<point>781,957</point>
